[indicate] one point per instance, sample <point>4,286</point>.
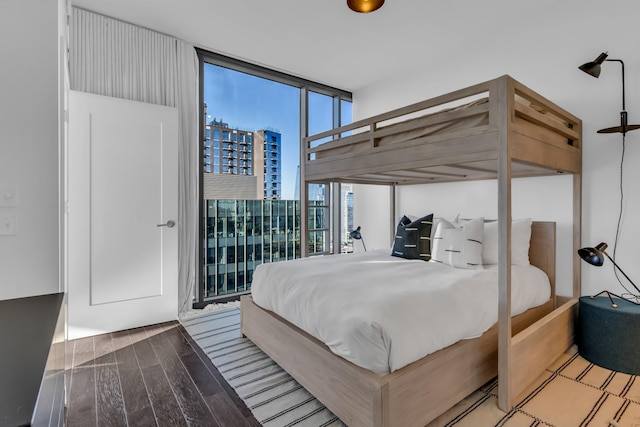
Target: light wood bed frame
<point>534,138</point>
<point>411,396</point>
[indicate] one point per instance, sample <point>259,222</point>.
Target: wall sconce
<point>593,68</point>
<point>595,256</point>
<point>592,255</point>
<point>364,6</point>
<point>357,235</point>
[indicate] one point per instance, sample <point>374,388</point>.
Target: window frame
<point>305,86</point>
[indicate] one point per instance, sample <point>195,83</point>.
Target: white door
<point>122,208</point>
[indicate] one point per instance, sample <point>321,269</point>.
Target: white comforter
<point>382,312</point>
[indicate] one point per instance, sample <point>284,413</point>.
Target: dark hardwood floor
<point>155,375</point>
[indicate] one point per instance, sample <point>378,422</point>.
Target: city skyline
<point>251,103</point>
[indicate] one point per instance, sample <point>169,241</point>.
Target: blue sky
<point>252,103</point>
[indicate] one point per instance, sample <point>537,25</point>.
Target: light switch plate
<point>8,224</point>
<point>8,196</point>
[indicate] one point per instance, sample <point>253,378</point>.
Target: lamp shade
<point>355,234</point>
<point>594,256</point>
<point>364,6</point>
<point>593,68</point>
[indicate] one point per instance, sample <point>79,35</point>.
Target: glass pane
<point>318,194</point>
<point>346,115</point>
<point>320,115</point>
<point>318,218</point>
<point>251,128</point>
<point>246,109</point>
<point>241,234</point>
<point>346,225</point>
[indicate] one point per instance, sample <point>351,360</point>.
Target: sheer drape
<point>113,58</point>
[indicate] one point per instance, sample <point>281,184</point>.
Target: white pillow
<point>436,219</point>
<point>458,245</point>
<point>520,238</point>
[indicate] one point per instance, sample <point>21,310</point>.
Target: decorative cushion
<point>398,242</point>
<point>459,245</point>
<point>436,219</point>
<point>520,238</point>
<point>413,238</point>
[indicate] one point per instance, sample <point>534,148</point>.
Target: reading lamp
<point>364,6</point>
<point>356,234</point>
<point>593,68</point>
<point>595,256</point>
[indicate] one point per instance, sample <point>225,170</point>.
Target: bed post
<point>577,233</point>
<point>336,208</point>
<point>504,100</point>
<point>394,212</point>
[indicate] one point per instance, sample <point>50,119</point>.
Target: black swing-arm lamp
<point>593,68</point>
<point>356,234</point>
<point>595,256</point>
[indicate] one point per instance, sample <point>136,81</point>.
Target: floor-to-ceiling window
<point>252,121</point>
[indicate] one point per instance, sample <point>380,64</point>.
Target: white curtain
<point>114,58</point>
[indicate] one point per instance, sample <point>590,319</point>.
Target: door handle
<point>171,223</point>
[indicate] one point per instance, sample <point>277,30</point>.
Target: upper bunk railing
<point>372,127</point>
<point>381,133</point>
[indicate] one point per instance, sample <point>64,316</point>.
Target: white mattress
<point>382,312</point>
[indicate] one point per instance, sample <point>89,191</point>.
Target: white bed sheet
<point>382,312</point>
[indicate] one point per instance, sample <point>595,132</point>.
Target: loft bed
<point>506,131</point>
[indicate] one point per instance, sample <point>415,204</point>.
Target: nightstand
<point>610,337</point>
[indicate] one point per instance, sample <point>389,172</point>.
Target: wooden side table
<point>610,337</point>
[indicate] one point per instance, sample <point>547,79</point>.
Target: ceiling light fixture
<point>364,6</point>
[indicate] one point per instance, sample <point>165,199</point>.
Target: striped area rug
<point>273,396</point>
<point>571,392</point>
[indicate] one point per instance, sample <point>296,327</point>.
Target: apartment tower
<point>247,223</point>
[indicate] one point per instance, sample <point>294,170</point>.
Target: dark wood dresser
<point>32,361</point>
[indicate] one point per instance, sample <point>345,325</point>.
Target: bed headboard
<point>542,250</point>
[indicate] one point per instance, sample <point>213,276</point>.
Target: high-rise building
<point>241,234</point>
<point>271,141</point>
<point>233,163</point>
<point>230,151</point>
<point>247,223</point>
<point>346,202</point>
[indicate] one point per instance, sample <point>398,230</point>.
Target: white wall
<point>29,261</point>
<point>545,58</point>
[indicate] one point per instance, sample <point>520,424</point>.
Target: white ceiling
<point>324,41</point>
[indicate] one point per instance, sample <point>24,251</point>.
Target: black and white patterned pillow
<point>413,238</point>
<point>459,245</point>
<point>398,242</point>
